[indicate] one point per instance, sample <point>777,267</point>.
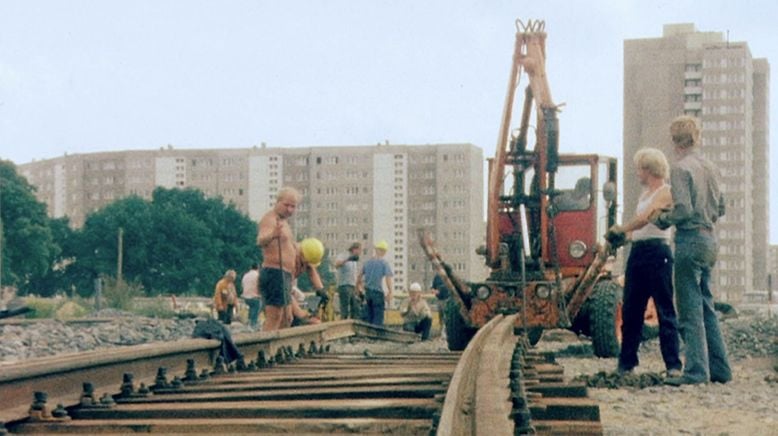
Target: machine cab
<point>582,208</point>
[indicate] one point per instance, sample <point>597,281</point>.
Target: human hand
<point>616,236</point>
<point>278,229</point>
<point>653,217</point>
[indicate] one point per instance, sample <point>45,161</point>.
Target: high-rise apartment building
<point>718,81</point>
<point>350,194</point>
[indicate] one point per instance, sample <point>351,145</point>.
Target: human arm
<point>389,287</point>
<point>313,274</point>
<point>681,188</point>
<point>360,284</point>
<point>426,312</point>
<point>270,228</point>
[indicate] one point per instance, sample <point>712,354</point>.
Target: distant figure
<point>416,313</point>
<point>276,241</point>
<point>376,273</point>
<point>577,199</point>
<point>442,293</point>
<point>698,204</point>
<point>250,287</point>
<point>310,252</point>
<point>346,265</point>
<point>225,297</point>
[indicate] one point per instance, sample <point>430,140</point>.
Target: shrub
<point>42,307</point>
<point>158,307</point>
<point>120,295</point>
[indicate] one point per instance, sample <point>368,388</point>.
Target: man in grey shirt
<point>698,203</point>
<point>346,264</point>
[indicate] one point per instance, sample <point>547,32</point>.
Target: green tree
<point>54,280</point>
<point>96,245</point>
<point>180,242</point>
<point>28,247</point>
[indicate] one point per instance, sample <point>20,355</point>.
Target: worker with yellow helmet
<point>310,252</point>
<point>376,273</point>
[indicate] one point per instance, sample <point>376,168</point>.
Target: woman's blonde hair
<point>653,161</point>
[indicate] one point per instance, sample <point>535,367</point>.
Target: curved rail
<point>478,398</point>
<point>60,376</point>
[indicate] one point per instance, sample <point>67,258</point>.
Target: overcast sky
<point>85,76</point>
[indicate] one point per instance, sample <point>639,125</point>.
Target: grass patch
<point>42,308</point>
<point>120,295</point>
<point>158,307</point>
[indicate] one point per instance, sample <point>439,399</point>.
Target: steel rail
<point>60,376</point>
<point>478,397</point>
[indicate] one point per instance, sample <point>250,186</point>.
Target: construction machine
<point>546,215</point>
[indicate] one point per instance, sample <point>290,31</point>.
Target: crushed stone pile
<point>751,337</point>
<point>54,337</point>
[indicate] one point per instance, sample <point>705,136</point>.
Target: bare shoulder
<point>268,218</point>
<point>663,195</point>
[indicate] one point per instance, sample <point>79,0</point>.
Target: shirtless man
<point>279,251</point>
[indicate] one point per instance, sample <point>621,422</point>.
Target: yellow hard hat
<point>312,250</point>
<point>382,245</point>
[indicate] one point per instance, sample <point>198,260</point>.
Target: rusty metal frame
<point>529,55</point>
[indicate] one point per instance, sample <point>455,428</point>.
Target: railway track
<point>290,383</point>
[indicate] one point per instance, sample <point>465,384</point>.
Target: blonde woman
<point>649,271</point>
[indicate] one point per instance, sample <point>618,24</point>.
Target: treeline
<point>179,242</point>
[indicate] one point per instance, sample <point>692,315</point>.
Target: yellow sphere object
<point>312,250</point>
<point>382,245</point>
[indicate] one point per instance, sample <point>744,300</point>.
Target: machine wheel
<point>605,318</point>
<point>458,333</point>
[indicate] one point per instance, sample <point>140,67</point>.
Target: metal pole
<point>119,256</point>
<point>98,293</point>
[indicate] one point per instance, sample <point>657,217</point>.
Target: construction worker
<point>698,203</point>
<point>276,240</point>
<point>225,297</point>
<point>310,253</point>
<point>346,265</point>
<point>416,313</point>
<point>376,273</point>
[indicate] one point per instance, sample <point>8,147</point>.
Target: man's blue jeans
<point>255,305</point>
<point>706,354</point>
<point>374,306</point>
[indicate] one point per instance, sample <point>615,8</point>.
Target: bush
<point>120,295</point>
<point>70,309</point>
<point>42,307</point>
<point>159,307</point>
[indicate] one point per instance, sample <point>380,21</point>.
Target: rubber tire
<point>603,304</point>
<point>458,333</point>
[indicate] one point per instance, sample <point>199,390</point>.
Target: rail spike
<point>127,388</point>
<point>87,395</point>
<point>39,411</point>
<point>219,366</point>
<point>191,371</point>
<point>160,382</point>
